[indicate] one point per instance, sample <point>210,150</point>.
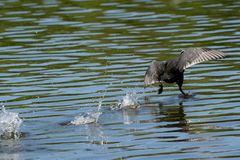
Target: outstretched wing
<point>193,56</point>
<point>154,72</point>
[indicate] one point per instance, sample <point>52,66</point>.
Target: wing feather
<point>193,56</point>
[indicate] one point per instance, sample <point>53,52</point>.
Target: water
<point>60,58</point>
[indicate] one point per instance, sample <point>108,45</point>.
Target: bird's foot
<point>186,95</point>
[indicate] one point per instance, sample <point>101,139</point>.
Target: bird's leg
<point>180,82</point>
<point>180,88</point>
<point>160,89</point>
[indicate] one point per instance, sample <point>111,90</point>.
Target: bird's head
<point>154,73</point>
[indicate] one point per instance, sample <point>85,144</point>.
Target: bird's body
<point>172,70</point>
<point>171,74</point>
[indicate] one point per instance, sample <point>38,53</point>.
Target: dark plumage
<point>172,70</point>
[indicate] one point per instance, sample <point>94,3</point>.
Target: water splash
<point>89,117</point>
<point>9,124</point>
<point>99,105</point>
<point>129,101</point>
<point>86,118</point>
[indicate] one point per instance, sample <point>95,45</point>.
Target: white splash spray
<point>86,118</point>
<point>9,124</point>
<point>129,101</point>
<point>89,117</point>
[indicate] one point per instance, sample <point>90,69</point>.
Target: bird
<point>172,70</point>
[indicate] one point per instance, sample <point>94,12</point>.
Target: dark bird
<point>172,70</point>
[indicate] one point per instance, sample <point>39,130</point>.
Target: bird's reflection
<point>170,110</point>
<point>173,114</point>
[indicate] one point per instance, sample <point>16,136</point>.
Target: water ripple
<point>59,59</point>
